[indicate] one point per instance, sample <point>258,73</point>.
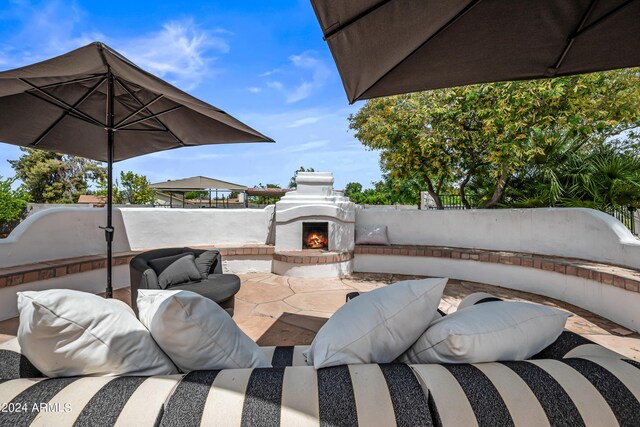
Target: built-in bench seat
<point>621,277</point>
<point>45,270</point>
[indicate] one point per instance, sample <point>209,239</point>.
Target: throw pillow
<point>372,235</point>
<point>160,264</point>
<point>183,270</point>
<point>68,333</point>
<point>489,332</point>
<point>378,326</point>
<point>196,332</point>
<point>205,261</point>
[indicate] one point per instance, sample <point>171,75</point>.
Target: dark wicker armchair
<point>218,287</point>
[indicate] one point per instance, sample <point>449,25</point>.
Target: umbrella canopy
<point>61,105</point>
<point>93,102</point>
<point>388,47</point>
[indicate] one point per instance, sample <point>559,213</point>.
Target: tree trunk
<point>433,193</point>
<point>498,192</point>
<point>463,185</point>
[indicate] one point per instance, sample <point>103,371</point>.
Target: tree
<point>292,181</point>
<point>192,195</point>
<point>480,136</point>
<point>385,192</point>
<point>136,188</point>
<point>605,177</point>
<point>55,178</point>
<point>13,206</point>
<point>131,189</point>
<point>264,200</point>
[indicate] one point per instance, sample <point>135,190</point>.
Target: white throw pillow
<point>68,333</point>
<point>372,235</point>
<point>489,332</point>
<point>196,332</point>
<point>378,326</point>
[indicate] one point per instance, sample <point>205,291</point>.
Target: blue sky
<point>263,62</point>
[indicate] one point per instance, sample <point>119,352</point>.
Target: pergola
<point>196,183</point>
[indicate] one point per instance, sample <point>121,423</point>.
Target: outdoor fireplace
<point>315,235</point>
<point>314,229</point>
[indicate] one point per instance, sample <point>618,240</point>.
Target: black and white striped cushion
<point>571,392</point>
<point>85,401</point>
<point>366,395</point>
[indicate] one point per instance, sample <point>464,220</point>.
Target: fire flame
<point>316,240</point>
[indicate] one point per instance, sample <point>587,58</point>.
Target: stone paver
<point>277,310</point>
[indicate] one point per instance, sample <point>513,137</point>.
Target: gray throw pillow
<point>204,262</point>
<point>183,270</point>
<point>160,264</point>
<point>372,235</point>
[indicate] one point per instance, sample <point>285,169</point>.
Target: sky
<point>263,62</point>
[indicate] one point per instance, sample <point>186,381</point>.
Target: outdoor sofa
<point>573,382</point>
<point>218,287</point>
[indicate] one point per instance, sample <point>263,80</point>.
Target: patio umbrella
<point>93,102</point>
<point>387,47</point>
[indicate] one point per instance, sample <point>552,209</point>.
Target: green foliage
<point>605,177</point>
<point>13,206</point>
<point>292,181</point>
<point>477,138</point>
<point>197,195</point>
<point>131,189</point>
<point>136,188</point>
<point>55,178</point>
<point>385,192</point>
<point>264,200</point>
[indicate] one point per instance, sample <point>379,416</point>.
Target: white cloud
<point>308,146</point>
<point>275,85</point>
<point>180,51</point>
<point>254,89</point>
<point>315,74</point>
<point>305,121</point>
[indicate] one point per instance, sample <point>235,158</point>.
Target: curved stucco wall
<point>570,233</point>
<point>73,232</point>
<point>156,228</point>
<point>61,233</point>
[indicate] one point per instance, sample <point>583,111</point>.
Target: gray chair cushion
<point>160,264</point>
<point>204,262</point>
<point>183,270</point>
<point>218,288</point>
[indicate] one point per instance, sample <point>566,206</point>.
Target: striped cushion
<point>86,401</point>
<point>15,365</point>
<point>366,395</point>
<point>570,392</point>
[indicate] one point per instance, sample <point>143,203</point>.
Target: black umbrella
<point>388,47</point>
<point>93,102</point>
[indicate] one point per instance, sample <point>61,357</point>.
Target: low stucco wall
<point>61,233</point>
<point>73,232</point>
<point>570,233</point>
<point>157,228</point>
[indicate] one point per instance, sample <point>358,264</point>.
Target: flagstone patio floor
<point>278,310</point>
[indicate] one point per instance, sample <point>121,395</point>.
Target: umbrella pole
<point>108,231</point>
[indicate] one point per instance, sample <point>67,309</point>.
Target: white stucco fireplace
<point>314,229</point>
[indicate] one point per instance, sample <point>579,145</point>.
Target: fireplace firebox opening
<point>315,235</point>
